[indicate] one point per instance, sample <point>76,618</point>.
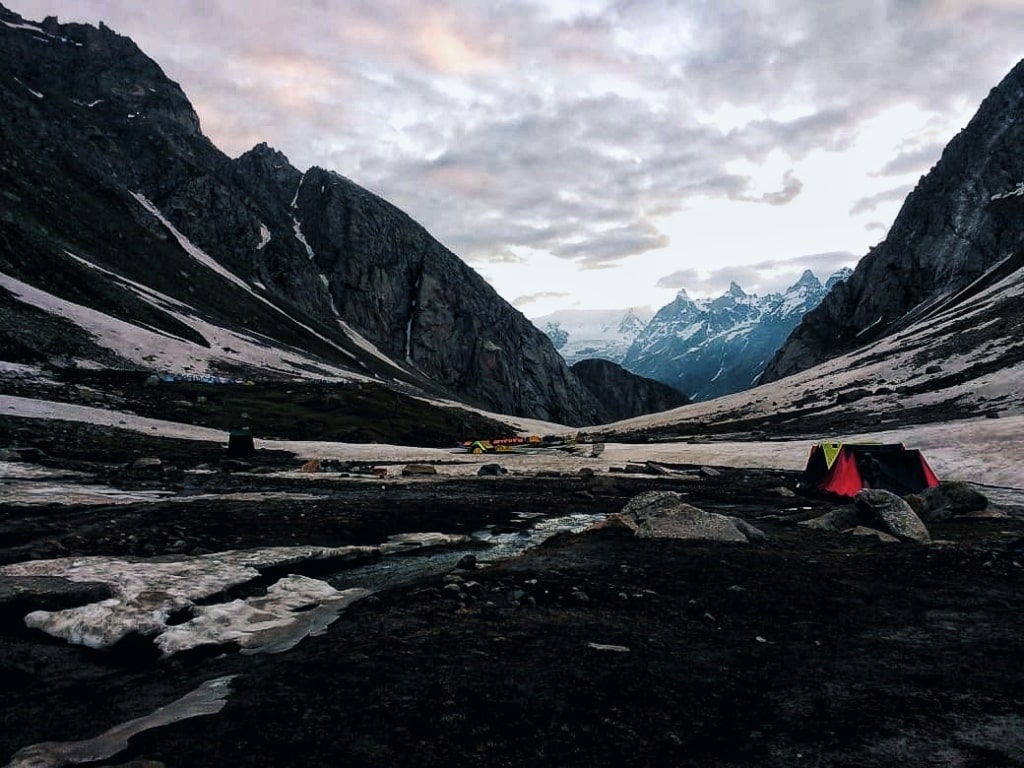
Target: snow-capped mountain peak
<point>706,348</point>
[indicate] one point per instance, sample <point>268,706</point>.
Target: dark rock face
<point>88,123</point>
<point>963,218</point>
<point>712,348</point>
<point>624,394</point>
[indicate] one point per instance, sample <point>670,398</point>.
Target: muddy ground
<point>593,649</point>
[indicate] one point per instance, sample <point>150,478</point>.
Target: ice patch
<point>208,699</point>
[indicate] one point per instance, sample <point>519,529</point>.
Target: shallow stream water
<point>485,545</point>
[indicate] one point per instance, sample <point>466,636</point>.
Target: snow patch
<point>302,238</point>
<point>35,93</point>
<point>264,237</point>
<point>208,699</point>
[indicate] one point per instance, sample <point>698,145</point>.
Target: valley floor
<point>591,649</point>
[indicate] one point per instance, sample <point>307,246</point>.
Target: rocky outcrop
<point>102,155</point>
<point>664,515</point>
<point>624,395</point>
<point>962,219</point>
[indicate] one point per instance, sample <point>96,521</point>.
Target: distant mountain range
<point>703,348</point>
<point>594,334</point>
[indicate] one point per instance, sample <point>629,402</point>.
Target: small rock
<point>467,563</point>
<point>710,472</point>
<point>607,647</point>
<point>147,464</point>
<point>951,498</point>
<point>492,470</point>
<point>836,520</point>
<point>418,469</point>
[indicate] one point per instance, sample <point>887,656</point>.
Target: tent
<point>845,468</point>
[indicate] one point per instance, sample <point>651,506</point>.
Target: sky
<point>596,154</point>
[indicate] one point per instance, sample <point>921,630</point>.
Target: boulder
<point>664,515</point>
<point>953,498</point>
<point>491,469</point>
<point>840,519</point>
<point>418,469</point>
<point>888,512</point>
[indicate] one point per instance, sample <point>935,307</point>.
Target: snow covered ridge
<point>706,348</point>
<point>580,334</point>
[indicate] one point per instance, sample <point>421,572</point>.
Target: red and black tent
<point>845,468</point>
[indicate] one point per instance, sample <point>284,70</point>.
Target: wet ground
<point>590,649</point>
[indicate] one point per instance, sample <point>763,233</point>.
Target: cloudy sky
<point>596,153</point>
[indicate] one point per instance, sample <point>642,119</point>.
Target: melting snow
<point>208,699</point>
<point>302,238</point>
<point>37,94</point>
<point>146,593</point>
<point>264,237</point>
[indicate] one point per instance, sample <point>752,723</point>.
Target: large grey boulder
<point>664,515</point>
<point>888,512</point>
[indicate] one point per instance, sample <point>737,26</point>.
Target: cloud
<point>918,160</point>
<point>613,245</point>
<point>768,276</point>
<point>896,194</point>
<point>574,128</point>
<point>533,298</point>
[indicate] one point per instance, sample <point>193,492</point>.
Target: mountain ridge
<point>712,347</point>
<point>117,202</point>
<point>958,222</point>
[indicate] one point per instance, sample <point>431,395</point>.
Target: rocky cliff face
<point>103,156</point>
<point>709,348</point>
<point>953,228</point>
<point>625,394</point>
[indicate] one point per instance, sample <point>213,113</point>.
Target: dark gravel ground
<point>807,649</point>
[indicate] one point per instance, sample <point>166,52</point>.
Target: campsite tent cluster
<point>845,468</point>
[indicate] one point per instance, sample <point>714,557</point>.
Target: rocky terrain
<point>430,641</point>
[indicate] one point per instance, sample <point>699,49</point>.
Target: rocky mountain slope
<point>586,334</point>
<point>708,348</point>
<point>623,393</point>
<point>963,360</point>
<point>963,219</point>
<point>128,239</point>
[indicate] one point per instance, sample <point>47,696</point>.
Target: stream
<point>485,545</point>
